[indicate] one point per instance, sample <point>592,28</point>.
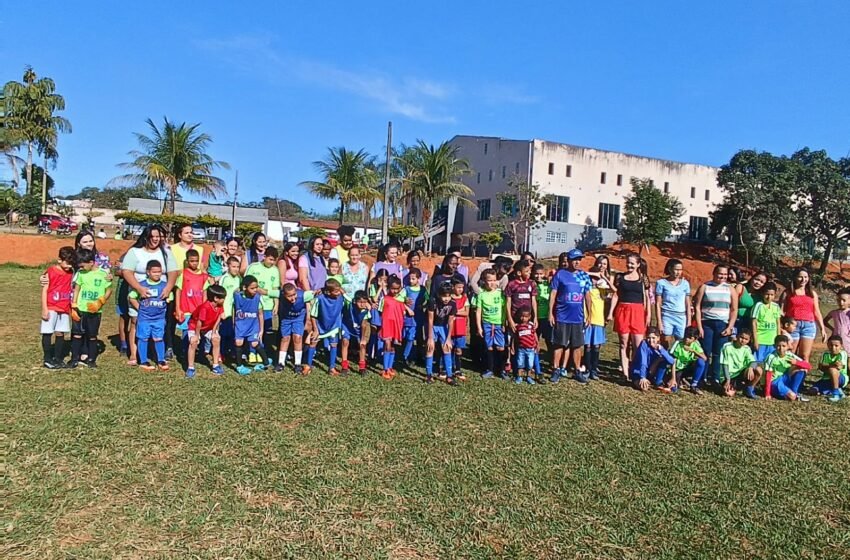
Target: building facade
<point>588,187</point>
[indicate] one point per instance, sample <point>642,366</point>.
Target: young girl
<point>247,324</point>
<point>335,271</point>
<point>629,309</point>
<point>594,333</point>
<point>377,291</point>
<point>393,310</point>
<point>460,325</point>
<point>650,362</point>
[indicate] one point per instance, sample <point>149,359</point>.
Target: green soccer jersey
<point>543,291</point>
<point>268,278</point>
<point>736,359</point>
<point>93,285</point>
<point>492,306</point>
<point>767,318</point>
<point>835,360</point>
<point>685,354</point>
<point>780,365</point>
<point>232,284</point>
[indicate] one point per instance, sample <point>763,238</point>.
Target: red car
<point>54,222</point>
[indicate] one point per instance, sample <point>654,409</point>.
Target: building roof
<point>192,209</point>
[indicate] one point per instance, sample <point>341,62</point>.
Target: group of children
<point>231,315</point>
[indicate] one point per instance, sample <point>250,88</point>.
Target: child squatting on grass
<point>203,325</point>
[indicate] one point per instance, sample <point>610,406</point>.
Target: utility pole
<point>386,223</point>
<point>233,215</point>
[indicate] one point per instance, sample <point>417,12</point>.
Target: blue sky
<point>276,83</point>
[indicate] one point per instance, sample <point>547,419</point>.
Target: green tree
<point>491,239</point>
<point>822,196</point>
<point>523,210</point>
<point>29,111</point>
<point>247,229</point>
<point>401,232</point>
<point>9,146</point>
<point>649,215</point>
<point>312,231</point>
<point>174,158</point>
<point>431,176</point>
<point>347,176</point>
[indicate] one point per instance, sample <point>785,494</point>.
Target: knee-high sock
<point>429,365</point>
<point>262,352</point>
<point>92,350</point>
<point>240,358</point>
<point>159,347</point>
<point>491,360</point>
<point>143,350</point>
<point>408,348</point>
<point>699,371</point>
<point>76,347</point>
<point>797,380</point>
<point>59,348</point>
<point>447,361</point>
<point>332,358</point>
<point>47,346</point>
<point>297,359</point>
<point>268,342</point>
<point>311,352</point>
<point>499,361</point>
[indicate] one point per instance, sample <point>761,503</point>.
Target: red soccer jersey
<point>392,318</point>
<point>204,317</point>
<point>526,334</point>
<point>460,327</point>
<point>192,292</point>
<point>521,294</point>
<point>59,290</point>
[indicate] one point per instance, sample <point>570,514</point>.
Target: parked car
<point>199,233</point>
<point>52,222</point>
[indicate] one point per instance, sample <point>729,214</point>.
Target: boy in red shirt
<point>203,324</point>
<point>56,298</point>
<point>526,346</point>
<point>190,288</point>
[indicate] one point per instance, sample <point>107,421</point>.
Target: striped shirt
<point>716,302</point>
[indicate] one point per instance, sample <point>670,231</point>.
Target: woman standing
<point>148,247</point>
<point>184,239</point>
<point>231,247</point>
<point>387,260</point>
<point>630,309</point>
<point>716,312</point>
<point>355,273</point>
<point>673,305</point>
<point>86,240</point>
<point>312,273</point>
<point>462,269</point>
<point>287,264</point>
<point>802,305</point>
<point>256,251</point>
<point>755,284</point>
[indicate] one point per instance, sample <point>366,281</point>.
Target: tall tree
<point>346,176</point>
<point>431,177</point>
<point>10,143</point>
<point>649,215</point>
<point>822,196</point>
<point>30,109</point>
<point>173,158</point>
<point>523,210</point>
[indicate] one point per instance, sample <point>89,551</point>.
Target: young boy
<point>521,292</point>
<point>738,363</point>
<point>784,371</point>
<point>650,359</point>
<point>203,324</point>
<point>789,325</point>
<point>690,358</point>
<point>326,318</point>
<point>838,320</point>
<point>526,346</point>
<point>56,308</point>
<point>150,324</point>
<point>490,320</point>
<point>766,323</point>
<point>594,332</point>
<point>91,291</point>
<point>416,299</point>
<point>355,325</point>
<point>441,316</point>
<point>544,329</point>
<point>231,281</point>
<point>833,367</point>
<point>268,279</point>
<point>247,326</point>
<point>461,324</point>
<point>190,288</point>
<point>216,263</point>
<point>293,309</point>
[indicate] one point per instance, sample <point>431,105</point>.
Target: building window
<point>652,182</point>
<point>483,210</point>
<point>485,148</point>
<point>569,171</point>
<point>517,168</point>
<point>558,209</point>
<point>698,228</point>
<point>551,169</point>
<point>707,194</point>
<point>619,180</point>
<point>478,179</point>
<point>490,175</point>
<point>510,207</point>
<point>666,187</point>
<point>693,192</point>
<point>556,237</point>
<point>602,177</point>
<point>609,216</point>
<point>504,171</point>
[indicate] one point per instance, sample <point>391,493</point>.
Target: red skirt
<point>630,318</point>
<point>392,320</point>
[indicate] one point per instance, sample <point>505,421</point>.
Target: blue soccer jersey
<point>246,315</point>
<point>328,314</point>
<point>151,309</point>
<point>420,299</point>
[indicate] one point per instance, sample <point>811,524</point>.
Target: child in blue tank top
<point>247,326</point>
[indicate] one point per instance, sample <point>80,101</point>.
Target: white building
<point>588,185</point>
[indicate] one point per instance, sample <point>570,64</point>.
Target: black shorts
<point>88,325</point>
<point>568,335</point>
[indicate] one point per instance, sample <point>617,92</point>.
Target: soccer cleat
<point>836,396</point>
<point>50,364</point>
<point>278,368</point>
<point>452,381</point>
<point>147,366</point>
<point>243,370</point>
<point>664,389</point>
<point>487,375</point>
<point>540,379</point>
<point>429,379</point>
<point>345,372</point>
<point>530,380</point>
<point>70,365</point>
<point>594,376</point>
<point>361,367</point>
<point>190,373</point>
<point>803,398</point>
<point>386,374</point>
<point>169,354</point>
<point>252,358</point>
<point>305,370</point>
<point>164,366</point>
<point>556,376</point>
<point>696,390</point>
<point>581,377</point>
<point>91,364</point>
<point>393,373</point>
<point>505,376</point>
<point>518,380</point>
<point>259,367</point>
<point>217,369</point>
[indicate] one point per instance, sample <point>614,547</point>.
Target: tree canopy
<point>650,215</point>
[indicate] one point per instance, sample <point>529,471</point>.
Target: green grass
<point>119,463</point>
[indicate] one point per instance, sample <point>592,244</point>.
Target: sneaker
<point>581,377</point>
<point>429,379</point>
<point>593,376</point>
<point>530,380</point>
<point>750,393</point>
<point>278,368</point>
<point>169,354</point>
<point>696,390</point>
<point>556,376</point>
<point>243,370</point>
<point>345,372</point>
<point>836,396</point>
<point>487,375</point>
<point>218,370</point>
<point>91,364</point>
<point>305,370</point>
<point>70,365</point>
<point>252,358</point>
<point>505,376</point>
<point>50,364</point>
<point>518,380</point>
<point>190,373</point>
<point>163,366</point>
<point>803,398</point>
<point>361,369</point>
<point>452,381</point>
<point>147,366</point>
<point>259,367</point>
<point>540,379</point>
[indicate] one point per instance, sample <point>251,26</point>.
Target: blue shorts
<point>594,335</point>
<point>349,333</point>
<point>376,318</point>
<point>781,386</point>
<point>805,329</point>
<point>525,358</point>
<point>763,352</point>
<point>146,330</point>
<point>494,335</point>
<point>824,386</point>
<point>292,327</point>
<point>459,342</point>
<point>674,325</point>
<point>441,335</point>
<point>408,333</point>
<point>249,337</point>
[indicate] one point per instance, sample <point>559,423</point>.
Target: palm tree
<point>347,176</point>
<point>29,109</point>
<point>173,158</point>
<point>9,145</point>
<point>432,176</point>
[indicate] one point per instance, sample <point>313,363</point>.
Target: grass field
<point>116,463</point>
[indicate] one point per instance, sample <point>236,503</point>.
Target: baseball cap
<point>575,254</point>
